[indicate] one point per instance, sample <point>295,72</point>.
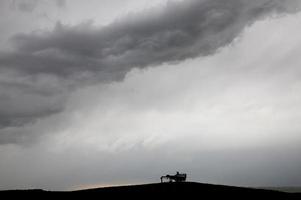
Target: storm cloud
<point>42,68</point>
<point>179,31</point>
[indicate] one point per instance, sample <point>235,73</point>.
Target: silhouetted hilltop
<point>159,190</point>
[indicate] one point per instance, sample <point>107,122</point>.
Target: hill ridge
<point>156,190</point>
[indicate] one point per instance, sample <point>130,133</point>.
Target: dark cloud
<point>73,56</point>
<point>181,30</point>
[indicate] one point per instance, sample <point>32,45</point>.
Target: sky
<point>109,92</point>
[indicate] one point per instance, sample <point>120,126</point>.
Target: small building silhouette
<point>178,177</point>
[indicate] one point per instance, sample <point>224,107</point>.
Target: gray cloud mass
<point>30,5</point>
<point>45,66</point>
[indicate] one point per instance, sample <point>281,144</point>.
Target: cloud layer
<point>44,67</point>
<point>30,5</point>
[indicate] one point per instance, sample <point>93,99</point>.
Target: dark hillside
<point>159,190</point>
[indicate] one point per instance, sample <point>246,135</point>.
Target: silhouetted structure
<point>174,178</point>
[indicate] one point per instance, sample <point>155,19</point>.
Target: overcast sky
<point>106,92</point>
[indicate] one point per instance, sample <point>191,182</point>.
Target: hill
<point>159,190</point>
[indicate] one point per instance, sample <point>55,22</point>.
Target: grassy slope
<point>157,190</point>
